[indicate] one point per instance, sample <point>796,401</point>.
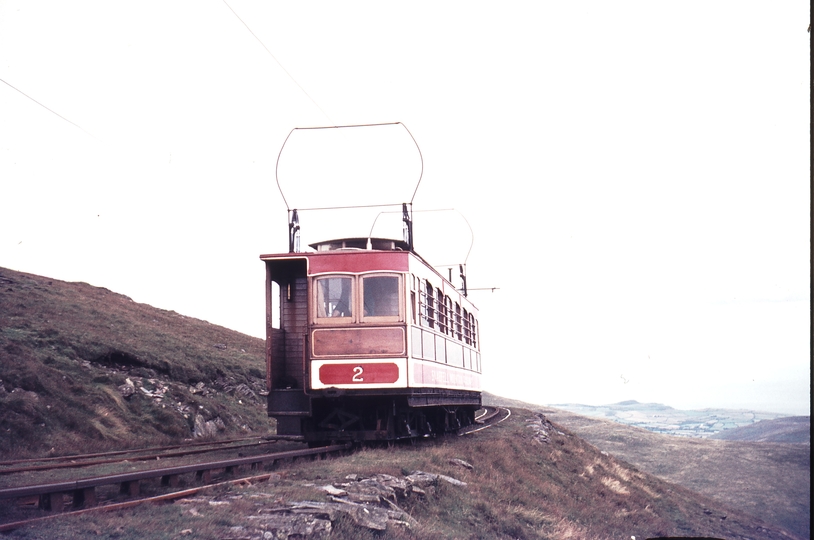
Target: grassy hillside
<point>768,480</point>
<point>68,350</point>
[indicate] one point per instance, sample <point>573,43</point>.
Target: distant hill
<point>791,429</point>
<point>664,419</point>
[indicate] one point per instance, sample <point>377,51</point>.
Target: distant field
<point>663,419</point>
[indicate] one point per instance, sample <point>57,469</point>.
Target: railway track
<point>107,491</point>
<point>491,416</point>
<point>82,493</point>
<point>11,467</point>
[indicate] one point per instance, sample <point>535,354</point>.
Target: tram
<point>372,344</point>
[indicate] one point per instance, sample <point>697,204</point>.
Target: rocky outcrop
<point>372,503</point>
<point>542,428</point>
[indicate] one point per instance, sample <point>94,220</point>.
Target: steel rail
<point>75,486</point>
<point>5,527</point>
<point>134,451</point>
<point>490,419</point>
<point>145,457</point>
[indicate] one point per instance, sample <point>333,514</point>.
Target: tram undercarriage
<point>380,418</point>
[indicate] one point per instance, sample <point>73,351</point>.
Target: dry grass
<point>66,347</point>
<point>768,480</point>
<point>518,488</point>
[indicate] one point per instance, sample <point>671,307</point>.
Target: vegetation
<point>522,485</point>
<point>67,348</point>
<point>770,480</point>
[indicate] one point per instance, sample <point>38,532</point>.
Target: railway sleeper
<point>170,480</point>
<point>130,488</point>
<point>52,502</point>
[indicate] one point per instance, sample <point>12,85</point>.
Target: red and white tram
<point>372,344</point>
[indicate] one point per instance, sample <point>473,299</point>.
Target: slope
<point>83,367</point>
<point>767,480</point>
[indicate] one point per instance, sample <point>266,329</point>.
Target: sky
<point>632,178</point>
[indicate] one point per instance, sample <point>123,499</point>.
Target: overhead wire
<point>280,153</point>
<point>52,111</point>
<point>278,62</point>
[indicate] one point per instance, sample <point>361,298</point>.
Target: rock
<point>331,490</point>
<point>451,480</point>
<point>127,389</point>
<point>284,526</point>
<point>208,428</point>
<point>400,486</point>
<point>421,479</point>
<point>461,463</point>
<point>244,390</point>
<point>371,517</point>
<point>424,479</point>
<point>368,490</point>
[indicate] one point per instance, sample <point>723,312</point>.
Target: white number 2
<point>357,374</point>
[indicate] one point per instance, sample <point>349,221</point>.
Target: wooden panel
<point>360,342</point>
<point>357,261</point>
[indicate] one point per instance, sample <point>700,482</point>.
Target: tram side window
<point>381,296</point>
<point>430,306</point>
<point>442,311</point>
<point>449,314</point>
<point>458,321</point>
<point>422,303</point>
<point>334,297</point>
<point>467,328</point>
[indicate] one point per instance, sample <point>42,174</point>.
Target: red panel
<point>381,373</point>
<point>358,342</point>
<point>358,261</point>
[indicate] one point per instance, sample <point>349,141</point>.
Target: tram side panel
<point>444,347</point>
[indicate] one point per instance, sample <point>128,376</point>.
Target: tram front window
<point>334,298</point>
<point>381,296</point>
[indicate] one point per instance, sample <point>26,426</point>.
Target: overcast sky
<point>635,174</point>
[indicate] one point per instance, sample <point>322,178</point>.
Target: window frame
<point>315,316</point>
<point>379,319</point>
